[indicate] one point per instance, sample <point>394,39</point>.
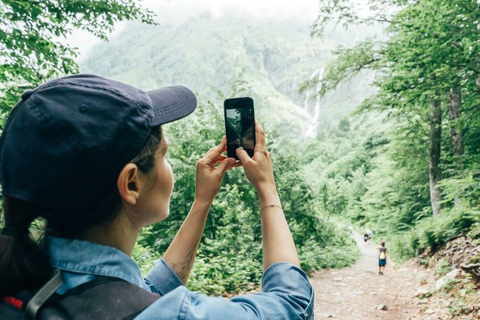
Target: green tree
<point>30,32</point>
<point>428,62</point>
<point>426,75</point>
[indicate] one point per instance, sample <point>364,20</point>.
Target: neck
<point>120,233</point>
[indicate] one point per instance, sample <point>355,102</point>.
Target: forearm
<point>181,253</point>
<point>278,244</point>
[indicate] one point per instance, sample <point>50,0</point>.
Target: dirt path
<point>355,292</point>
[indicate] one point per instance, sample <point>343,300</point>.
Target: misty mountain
<point>271,57</point>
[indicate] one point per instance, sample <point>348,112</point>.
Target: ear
<point>129,183</point>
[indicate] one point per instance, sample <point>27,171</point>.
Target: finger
<point>213,153</point>
<point>220,158</point>
<point>225,165</point>
<point>243,156</point>
<point>260,135</point>
<point>223,143</point>
<point>235,165</point>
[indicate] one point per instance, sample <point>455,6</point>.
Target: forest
<point>372,118</point>
<point>419,182</point>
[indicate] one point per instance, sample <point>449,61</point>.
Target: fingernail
<point>241,148</point>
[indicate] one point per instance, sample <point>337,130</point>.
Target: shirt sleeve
<point>162,279</point>
<point>286,294</point>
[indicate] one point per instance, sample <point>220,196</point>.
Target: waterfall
<point>312,129</point>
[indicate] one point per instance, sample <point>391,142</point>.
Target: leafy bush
<point>430,233</point>
<point>435,232</point>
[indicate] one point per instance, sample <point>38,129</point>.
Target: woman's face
<point>154,202</point>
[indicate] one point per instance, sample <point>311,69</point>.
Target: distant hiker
<point>369,235</point>
<point>88,155</point>
<point>382,257</point>
<point>366,236</point>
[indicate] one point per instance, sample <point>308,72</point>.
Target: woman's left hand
<point>209,177</point>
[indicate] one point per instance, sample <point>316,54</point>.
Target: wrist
<point>204,195</point>
<point>202,203</point>
<point>266,189</point>
<point>268,197</point>
<point>268,206</point>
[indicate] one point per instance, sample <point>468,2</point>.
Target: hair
<point>23,264</point>
<point>382,243</point>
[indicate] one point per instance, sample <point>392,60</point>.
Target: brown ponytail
<point>22,263</point>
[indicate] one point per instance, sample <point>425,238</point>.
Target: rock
<point>448,277</point>
<point>422,292</point>
<point>429,311</point>
<point>324,315</point>
<point>381,307</point>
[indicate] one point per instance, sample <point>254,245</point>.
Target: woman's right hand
<point>278,244</point>
<point>259,168</point>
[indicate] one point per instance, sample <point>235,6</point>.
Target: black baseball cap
<point>66,141</point>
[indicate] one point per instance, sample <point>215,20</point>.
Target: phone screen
<point>239,125</point>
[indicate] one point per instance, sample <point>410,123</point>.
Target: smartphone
<point>239,125</point>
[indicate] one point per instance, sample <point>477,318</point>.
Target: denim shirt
<point>286,291</point>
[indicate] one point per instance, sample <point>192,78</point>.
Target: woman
<point>88,155</point>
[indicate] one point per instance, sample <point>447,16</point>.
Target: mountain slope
<point>272,57</point>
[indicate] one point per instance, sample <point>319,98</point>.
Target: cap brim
<point>171,103</point>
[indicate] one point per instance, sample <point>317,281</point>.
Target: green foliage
<point>231,273</point>
<point>349,63</point>
<point>30,32</point>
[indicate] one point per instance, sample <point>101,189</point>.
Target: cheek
<point>169,176</point>
<point>165,187</point>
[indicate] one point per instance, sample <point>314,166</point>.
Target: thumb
<point>224,165</point>
<point>242,155</point>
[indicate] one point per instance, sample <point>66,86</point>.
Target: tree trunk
<point>435,171</point>
<point>477,81</point>
<point>455,109</point>
<point>456,136</point>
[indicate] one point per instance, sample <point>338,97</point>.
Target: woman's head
<point>74,150</point>
<point>144,165</point>
<point>66,142</point>
<point>145,191</point>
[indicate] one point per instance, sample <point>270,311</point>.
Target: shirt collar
<point>89,258</point>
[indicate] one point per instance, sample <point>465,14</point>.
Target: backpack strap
<point>103,298</point>
<point>43,295</point>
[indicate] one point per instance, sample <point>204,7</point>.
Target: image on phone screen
<point>239,125</point>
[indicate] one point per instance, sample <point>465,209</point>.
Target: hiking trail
<point>359,292</point>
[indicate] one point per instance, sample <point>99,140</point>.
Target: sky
<point>184,9</point>
<point>257,8</point>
